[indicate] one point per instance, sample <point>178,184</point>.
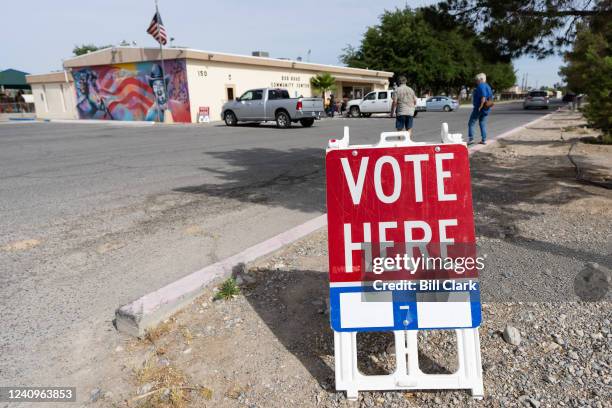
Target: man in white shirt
<point>404,103</point>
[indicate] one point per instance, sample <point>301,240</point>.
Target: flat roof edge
<point>49,77</point>
<point>118,55</point>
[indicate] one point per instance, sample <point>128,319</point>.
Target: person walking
<point>482,103</point>
<point>345,100</point>
<point>332,105</point>
<point>404,103</point>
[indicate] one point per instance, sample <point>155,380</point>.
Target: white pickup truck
<point>378,102</point>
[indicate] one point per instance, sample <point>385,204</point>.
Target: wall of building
<point>133,91</point>
<point>209,81</point>
<point>54,100</point>
<point>126,83</point>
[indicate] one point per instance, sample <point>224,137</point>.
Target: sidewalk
<point>271,346</point>
<point>16,116</point>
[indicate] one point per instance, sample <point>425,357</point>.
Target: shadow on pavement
<point>293,179</point>
<point>508,187</point>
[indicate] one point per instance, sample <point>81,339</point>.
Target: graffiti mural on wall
<point>135,91</point>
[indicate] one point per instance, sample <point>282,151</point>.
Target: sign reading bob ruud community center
<point>401,238</point>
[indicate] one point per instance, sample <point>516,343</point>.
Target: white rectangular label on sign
<point>444,314</point>
<point>374,311</point>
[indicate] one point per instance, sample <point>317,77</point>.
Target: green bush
<point>589,71</point>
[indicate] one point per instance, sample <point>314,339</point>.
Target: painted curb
<point>148,311</point>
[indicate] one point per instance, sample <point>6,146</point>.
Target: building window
<point>230,94</point>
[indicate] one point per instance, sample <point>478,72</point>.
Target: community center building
<point>130,83</point>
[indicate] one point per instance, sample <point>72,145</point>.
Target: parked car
<point>442,103</point>
<point>378,102</point>
<point>536,99</point>
<point>260,105</point>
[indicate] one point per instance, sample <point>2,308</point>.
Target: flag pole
<point>163,68</point>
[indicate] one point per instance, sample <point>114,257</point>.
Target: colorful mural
<point>135,91</point>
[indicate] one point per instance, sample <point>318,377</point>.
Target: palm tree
<point>323,82</point>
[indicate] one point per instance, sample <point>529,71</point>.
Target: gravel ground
<point>546,237</point>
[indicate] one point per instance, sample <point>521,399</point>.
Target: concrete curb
<point>144,313</point>
<point>477,147</point>
<point>19,122</point>
<point>102,122</point>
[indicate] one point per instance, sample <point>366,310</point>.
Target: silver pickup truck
<point>260,105</point>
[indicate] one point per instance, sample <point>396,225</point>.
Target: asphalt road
<point>94,215</point>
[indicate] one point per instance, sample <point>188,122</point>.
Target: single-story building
<point>54,95</point>
<point>126,83</point>
<point>15,94</point>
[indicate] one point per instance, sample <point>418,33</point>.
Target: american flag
<point>157,30</point>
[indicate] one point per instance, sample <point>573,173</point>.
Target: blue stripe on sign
<point>361,308</point>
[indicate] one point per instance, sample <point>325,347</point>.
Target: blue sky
<point>42,32</point>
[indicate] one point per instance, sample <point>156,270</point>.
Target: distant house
<point>13,79</point>
<point>514,90</point>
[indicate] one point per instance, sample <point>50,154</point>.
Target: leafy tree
<point>588,70</point>
<point>87,48</point>
<point>426,47</point>
<point>516,27</point>
<point>323,82</point>
<point>500,75</point>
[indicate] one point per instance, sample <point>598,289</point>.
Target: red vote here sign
<point>384,201</point>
